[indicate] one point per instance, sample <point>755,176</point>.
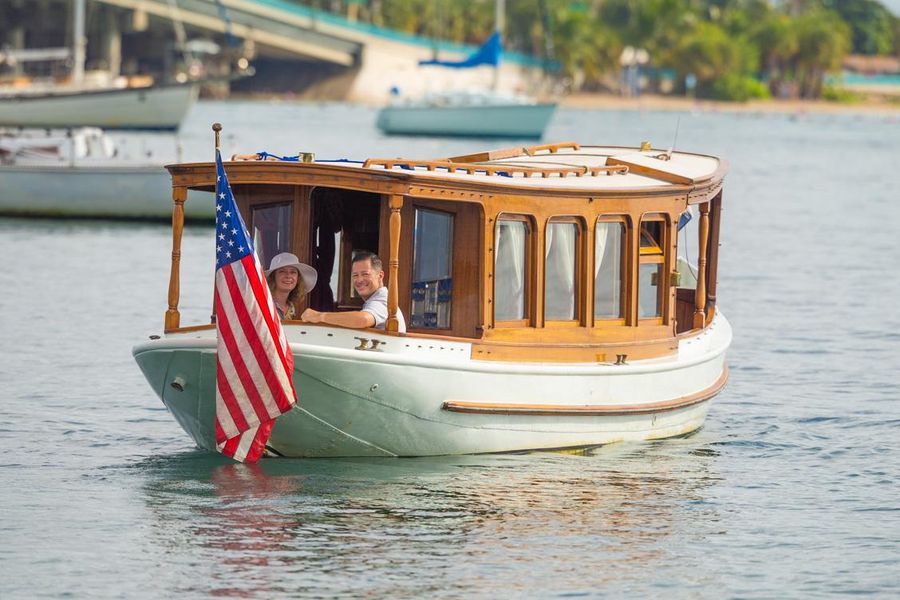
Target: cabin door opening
<point>343,222</point>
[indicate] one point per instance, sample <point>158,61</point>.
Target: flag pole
<point>216,127</point>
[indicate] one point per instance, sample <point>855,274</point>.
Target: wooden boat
<point>81,173</point>
<point>548,301</point>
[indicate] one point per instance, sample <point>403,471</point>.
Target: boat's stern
<point>182,372</point>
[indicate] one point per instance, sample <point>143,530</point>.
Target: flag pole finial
<point>217,127</point>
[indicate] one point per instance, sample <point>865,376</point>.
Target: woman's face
<point>286,279</point>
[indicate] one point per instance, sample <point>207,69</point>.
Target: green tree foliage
<point>731,46</point>
<point>721,62</point>
<point>823,39</point>
<point>585,48</point>
<point>872,24</point>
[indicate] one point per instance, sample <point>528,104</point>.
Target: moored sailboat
<point>82,172</point>
<point>110,103</point>
<point>153,107</point>
<point>485,113</point>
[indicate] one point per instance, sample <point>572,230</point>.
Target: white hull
<point>94,191</point>
<point>392,402</point>
<point>126,108</point>
<point>505,120</point>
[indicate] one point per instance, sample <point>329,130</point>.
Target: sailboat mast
<point>79,43</point>
<point>499,15</point>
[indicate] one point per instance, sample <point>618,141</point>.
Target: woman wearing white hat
<point>289,279</point>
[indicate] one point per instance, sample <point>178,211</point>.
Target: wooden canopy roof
<point>565,168</point>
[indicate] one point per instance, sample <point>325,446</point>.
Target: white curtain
<point>600,238</point>
<point>608,270</point>
<point>559,291</point>
<point>509,271</point>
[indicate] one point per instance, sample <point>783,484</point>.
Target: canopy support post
<point>393,323</point>
<point>700,294</point>
<point>173,318</point>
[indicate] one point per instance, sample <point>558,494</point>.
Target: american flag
<point>254,362</point>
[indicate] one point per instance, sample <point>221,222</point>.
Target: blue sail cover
<point>488,54</point>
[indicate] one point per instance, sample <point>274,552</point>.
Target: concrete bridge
<point>315,54</point>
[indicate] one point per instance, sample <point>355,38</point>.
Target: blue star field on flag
<point>232,240</point>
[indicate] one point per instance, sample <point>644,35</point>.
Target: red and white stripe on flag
<point>254,361</point>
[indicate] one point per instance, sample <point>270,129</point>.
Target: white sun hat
<point>286,259</point>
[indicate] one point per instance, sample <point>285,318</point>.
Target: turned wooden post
<point>393,323</point>
<point>179,195</point>
<point>700,295</point>
<point>715,220</point>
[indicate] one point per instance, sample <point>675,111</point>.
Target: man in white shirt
<point>368,280</point>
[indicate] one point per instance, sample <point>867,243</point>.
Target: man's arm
<point>354,319</point>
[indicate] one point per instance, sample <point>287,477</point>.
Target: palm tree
<point>823,40</point>
<point>776,37</point>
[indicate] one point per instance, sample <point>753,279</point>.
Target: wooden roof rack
<point>495,169</point>
<point>514,152</point>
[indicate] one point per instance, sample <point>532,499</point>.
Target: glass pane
<point>432,287</point>
<point>649,305</point>
<point>509,271</point>
<point>559,289</point>
<point>608,270</point>
<point>651,236</point>
<point>271,231</point>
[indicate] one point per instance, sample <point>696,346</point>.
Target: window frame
<point>528,309</point>
<point>412,265</point>
<point>625,222</point>
<point>578,274</point>
<point>657,255</point>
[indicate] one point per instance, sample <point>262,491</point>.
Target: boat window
<point>652,288</point>
<point>432,286</point>
<point>271,230</point>
<point>342,222</point>
<point>510,270</point>
<point>650,305</point>
<point>651,232</point>
<point>609,299</point>
<point>560,268</point>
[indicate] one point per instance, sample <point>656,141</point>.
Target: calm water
<point>791,489</point>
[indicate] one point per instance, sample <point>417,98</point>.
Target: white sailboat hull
<point>94,191</point>
<point>162,108</point>
<point>410,397</point>
<point>494,120</point>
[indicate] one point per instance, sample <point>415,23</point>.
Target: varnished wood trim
<point>515,152</point>
<point>190,329</point>
<point>712,268</point>
<point>573,352</point>
<point>505,169</point>
<point>202,176</point>
<point>646,171</point>
<point>393,323</point>
<point>700,295</point>
<point>552,410</point>
<point>173,317</point>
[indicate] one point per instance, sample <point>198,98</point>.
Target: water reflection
<point>442,526</point>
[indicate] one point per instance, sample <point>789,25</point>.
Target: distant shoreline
<point>680,103</point>
<point>873,105</point>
